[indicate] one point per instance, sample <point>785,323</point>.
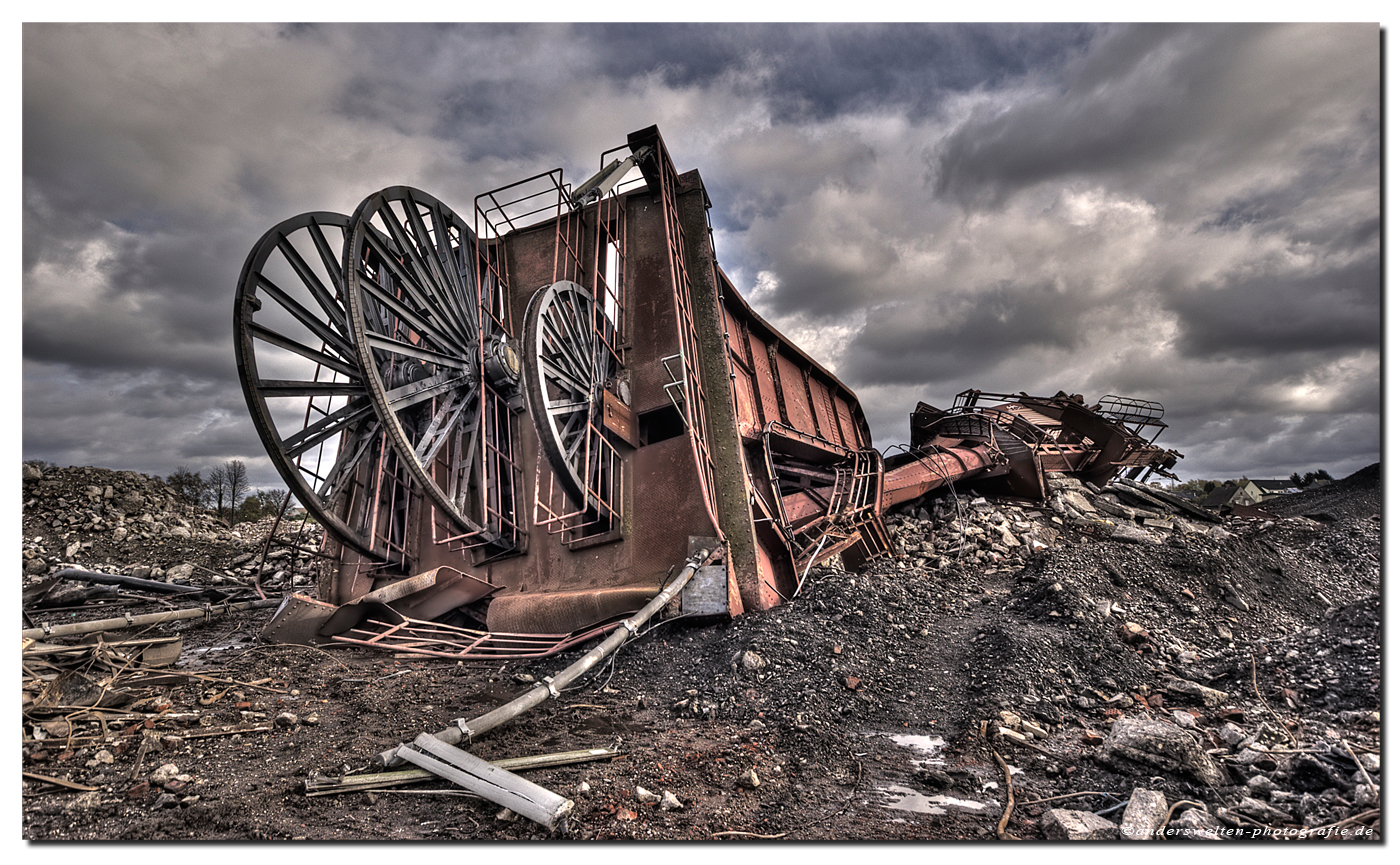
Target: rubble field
<point>1120,668</point>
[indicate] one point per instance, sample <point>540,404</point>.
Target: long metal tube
<point>147,619</point>
<point>465,730</point>
<point>81,576</point>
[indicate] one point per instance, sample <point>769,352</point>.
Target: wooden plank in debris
<point>83,788</point>
<point>490,782</point>
<point>36,649</point>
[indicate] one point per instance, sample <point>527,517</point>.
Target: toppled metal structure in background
<point>513,429</point>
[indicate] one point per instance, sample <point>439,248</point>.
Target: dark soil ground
<point>862,707</point>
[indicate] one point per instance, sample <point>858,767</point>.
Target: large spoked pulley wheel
<point>567,364</point>
<point>415,315</point>
<point>300,369</point>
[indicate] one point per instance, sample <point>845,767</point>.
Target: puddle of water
<point>903,799</point>
<point>929,744</point>
<point>929,748</point>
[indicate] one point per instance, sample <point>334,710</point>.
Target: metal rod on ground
<point>80,576</point>
<point>465,730</point>
<point>208,610</point>
<point>323,785</point>
<point>267,545</point>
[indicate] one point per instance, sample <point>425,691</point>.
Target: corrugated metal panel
<point>821,400</point>
<point>799,416</point>
<point>765,381</point>
<point>850,435</point>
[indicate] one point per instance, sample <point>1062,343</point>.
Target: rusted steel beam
<point>930,471</point>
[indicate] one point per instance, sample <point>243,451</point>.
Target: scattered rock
<point>1143,815</point>
<point>164,774</point>
<point>1195,692</point>
<point>1161,746</point>
<point>1060,824</point>
<point>1195,825</point>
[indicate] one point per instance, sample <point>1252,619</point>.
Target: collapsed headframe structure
<point>513,428</point>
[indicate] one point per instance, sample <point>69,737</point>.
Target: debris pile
<point>954,526</point>
<point>123,522</point>
<point>1189,681</point>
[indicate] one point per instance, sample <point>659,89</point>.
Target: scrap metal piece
<point>298,621</point>
<point>525,798</point>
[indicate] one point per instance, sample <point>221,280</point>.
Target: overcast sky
<point>1187,214</point>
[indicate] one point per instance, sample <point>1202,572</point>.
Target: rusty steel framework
<point>513,429</point>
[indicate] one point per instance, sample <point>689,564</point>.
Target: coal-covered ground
<point>877,705</point>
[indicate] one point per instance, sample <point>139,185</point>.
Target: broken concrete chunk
<point>1061,824</point>
<point>1195,825</point>
<point>165,774</point>
<point>669,802</point>
<point>1195,692</point>
<point>1162,746</point>
<point>1183,718</point>
<point>1232,735</point>
<point>646,796</point>
<point>1144,813</point>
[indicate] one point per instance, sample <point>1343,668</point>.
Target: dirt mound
<point>1357,495</point>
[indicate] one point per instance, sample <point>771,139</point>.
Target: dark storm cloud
<point>1262,316</point>
<point>940,338</point>
<point>822,70</point>
<point>1183,213</point>
<point>1154,98</point>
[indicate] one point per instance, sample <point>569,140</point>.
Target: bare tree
<point>216,488</point>
<point>236,474</point>
<point>188,485</point>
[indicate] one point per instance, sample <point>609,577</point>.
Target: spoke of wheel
<point>415,319</point>
<point>449,291</point>
<point>565,353</point>
<point>285,388</point>
<point>329,305</point>
<point>428,281</point>
<point>328,426</point>
<point>441,426</point>
<point>303,315</point>
<point>347,461</point>
<point>409,350</point>
<point>272,337</point>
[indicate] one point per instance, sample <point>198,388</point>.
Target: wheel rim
<point>414,312</point>
<point>566,366</point>
<point>299,368</point>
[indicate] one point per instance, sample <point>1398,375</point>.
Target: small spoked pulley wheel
<point>567,363</point>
